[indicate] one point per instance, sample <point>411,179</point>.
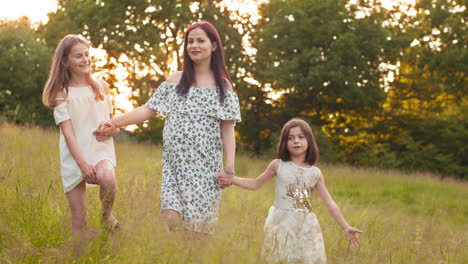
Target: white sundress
<point>292,231</point>
<point>192,151</point>
<point>86,114</point>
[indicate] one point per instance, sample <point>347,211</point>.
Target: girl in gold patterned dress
<point>292,231</point>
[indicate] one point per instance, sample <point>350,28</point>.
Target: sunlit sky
<point>37,10</point>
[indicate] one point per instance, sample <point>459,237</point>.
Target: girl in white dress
<point>292,232</point>
<point>80,105</point>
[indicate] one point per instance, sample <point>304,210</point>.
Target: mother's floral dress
<point>192,151</point>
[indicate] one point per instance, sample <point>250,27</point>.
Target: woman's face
<point>199,46</point>
<point>78,60</point>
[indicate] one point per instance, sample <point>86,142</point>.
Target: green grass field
<point>406,218</point>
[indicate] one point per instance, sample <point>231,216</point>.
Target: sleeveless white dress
<point>86,114</point>
<point>292,231</point>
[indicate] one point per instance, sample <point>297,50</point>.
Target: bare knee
<point>105,175</point>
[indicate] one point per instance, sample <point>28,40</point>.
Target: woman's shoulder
<point>174,77</point>
<point>228,85</point>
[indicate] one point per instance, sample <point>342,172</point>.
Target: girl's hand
<point>105,131</point>
<point>108,128</point>
<point>88,172</point>
<point>99,134</point>
<point>351,236</point>
<point>224,178</point>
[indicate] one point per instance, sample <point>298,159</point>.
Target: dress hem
<point>72,186</point>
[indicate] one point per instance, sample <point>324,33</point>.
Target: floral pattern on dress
<point>192,151</point>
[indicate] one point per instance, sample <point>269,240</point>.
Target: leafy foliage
<point>325,59</point>
<point>23,72</point>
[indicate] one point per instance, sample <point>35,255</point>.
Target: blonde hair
<point>59,75</point>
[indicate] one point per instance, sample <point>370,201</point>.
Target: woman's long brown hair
<point>217,64</point>
<point>60,76</point>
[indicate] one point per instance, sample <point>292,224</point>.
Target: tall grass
<point>406,218</point>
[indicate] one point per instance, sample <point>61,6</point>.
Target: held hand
<point>351,236</point>
<point>105,131</point>
<point>224,179</point>
<point>99,134</point>
<point>110,129</point>
<point>89,172</point>
<point>224,185</point>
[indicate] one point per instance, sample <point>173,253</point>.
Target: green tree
<point>23,72</point>
<point>429,98</point>
<point>421,124</point>
<point>325,59</point>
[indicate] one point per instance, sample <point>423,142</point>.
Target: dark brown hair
<point>312,150</point>
<point>217,63</point>
<point>60,76</point>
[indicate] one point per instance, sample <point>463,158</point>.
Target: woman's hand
<point>351,236</point>
<point>224,178</point>
<point>109,128</point>
<point>99,134</point>
<point>88,172</point>
<point>105,131</point>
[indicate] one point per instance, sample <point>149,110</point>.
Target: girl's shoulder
<point>60,97</point>
<point>316,171</point>
<point>274,165</point>
<point>103,84</point>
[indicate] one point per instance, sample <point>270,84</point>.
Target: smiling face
<point>199,46</point>
<point>297,142</point>
<point>78,60</point>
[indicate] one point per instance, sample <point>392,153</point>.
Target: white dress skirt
<point>86,114</point>
<point>292,231</point>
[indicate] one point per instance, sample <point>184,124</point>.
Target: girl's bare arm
<point>254,184</point>
<point>88,171</point>
<point>335,212</point>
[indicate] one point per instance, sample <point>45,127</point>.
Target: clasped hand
<point>105,131</point>
<point>224,179</point>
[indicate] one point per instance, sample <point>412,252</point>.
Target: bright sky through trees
<point>37,11</point>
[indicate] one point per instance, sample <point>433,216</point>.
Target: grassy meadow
<point>406,218</point>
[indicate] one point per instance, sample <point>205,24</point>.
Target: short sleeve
<point>162,98</point>
<point>230,110</point>
<point>61,113</point>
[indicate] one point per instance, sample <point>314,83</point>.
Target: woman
<point>201,108</point>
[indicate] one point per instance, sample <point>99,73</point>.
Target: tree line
<point>381,88</point>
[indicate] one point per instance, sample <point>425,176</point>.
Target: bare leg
<point>172,219</point>
<point>106,179</point>
<point>77,201</point>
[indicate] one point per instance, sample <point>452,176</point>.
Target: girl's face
<point>199,46</point>
<point>297,142</point>
<point>78,60</point>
